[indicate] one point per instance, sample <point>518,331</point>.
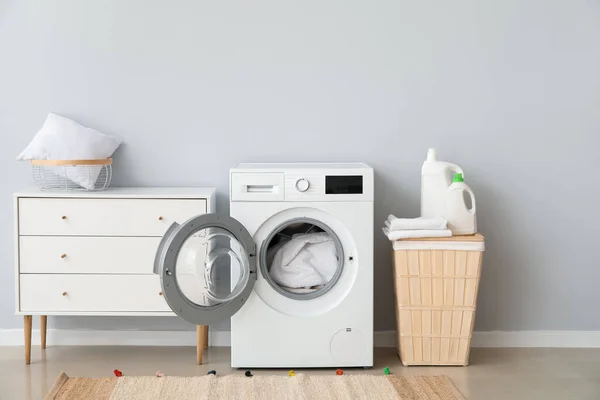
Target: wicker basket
<point>436,283</point>
<point>63,175</point>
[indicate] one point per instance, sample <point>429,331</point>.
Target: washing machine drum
<point>207,268</point>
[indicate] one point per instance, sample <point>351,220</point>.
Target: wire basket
<point>63,175</point>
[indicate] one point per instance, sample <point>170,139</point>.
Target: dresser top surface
<point>127,192</point>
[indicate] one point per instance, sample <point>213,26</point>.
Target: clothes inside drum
<point>302,258</point>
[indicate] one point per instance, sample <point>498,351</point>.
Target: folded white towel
<point>423,233</point>
<point>400,224</point>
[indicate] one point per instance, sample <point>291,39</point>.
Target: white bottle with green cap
<point>461,218</point>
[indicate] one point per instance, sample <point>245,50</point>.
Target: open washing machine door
<point>207,267</point>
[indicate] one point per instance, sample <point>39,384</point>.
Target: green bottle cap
<point>458,178</point>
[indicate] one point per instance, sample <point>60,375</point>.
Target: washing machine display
<point>344,184</point>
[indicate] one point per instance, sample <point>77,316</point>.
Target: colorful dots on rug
<point>339,372</point>
<point>248,374</point>
<point>291,373</point>
<point>211,372</point>
<point>117,373</point>
<point>386,371</point>
<point>160,374</point>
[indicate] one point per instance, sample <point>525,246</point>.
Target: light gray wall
<point>509,90</point>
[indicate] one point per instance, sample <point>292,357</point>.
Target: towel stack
<point>405,228</point>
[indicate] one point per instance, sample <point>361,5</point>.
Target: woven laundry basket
<point>436,283</point>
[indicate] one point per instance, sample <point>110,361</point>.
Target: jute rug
<point>267,387</point>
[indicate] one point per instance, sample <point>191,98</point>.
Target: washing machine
<point>218,267</point>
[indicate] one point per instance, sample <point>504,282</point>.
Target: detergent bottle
<point>436,177</point>
<point>461,219</point>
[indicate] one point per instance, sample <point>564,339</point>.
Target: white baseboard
<point>566,339</point>
<point>72,337</point>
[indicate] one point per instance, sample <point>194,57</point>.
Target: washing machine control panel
<point>304,186</point>
<point>311,182</point>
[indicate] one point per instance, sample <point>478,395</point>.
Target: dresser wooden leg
<point>27,326</point>
<point>205,337</point>
<point>43,325</point>
<point>200,343</point>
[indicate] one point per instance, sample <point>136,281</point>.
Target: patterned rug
<point>267,387</point>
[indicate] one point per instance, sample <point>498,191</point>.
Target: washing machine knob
<point>302,185</point>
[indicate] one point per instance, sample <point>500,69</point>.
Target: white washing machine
<point>216,267</point>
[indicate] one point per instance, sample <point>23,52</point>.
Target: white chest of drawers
<point>92,253</point>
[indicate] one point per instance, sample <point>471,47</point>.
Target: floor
<point>494,374</point>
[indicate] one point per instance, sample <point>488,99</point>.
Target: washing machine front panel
<point>334,329</point>
<point>207,268</point>
<point>273,331</point>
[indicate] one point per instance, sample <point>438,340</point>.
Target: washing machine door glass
<point>207,268</point>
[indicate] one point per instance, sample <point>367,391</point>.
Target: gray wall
<point>509,90</point>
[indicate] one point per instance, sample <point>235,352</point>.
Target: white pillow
<point>61,138</point>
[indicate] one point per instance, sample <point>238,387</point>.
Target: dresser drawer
<point>87,254</point>
<point>104,217</point>
<point>91,293</point>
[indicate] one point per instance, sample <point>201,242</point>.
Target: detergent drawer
<point>257,187</point>
<point>91,294</point>
<point>104,217</point>
<point>87,254</point>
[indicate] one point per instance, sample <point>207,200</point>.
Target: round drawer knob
<point>64,293</point>
<point>63,255</point>
<point>160,218</point>
<point>64,217</point>
<point>160,293</point>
